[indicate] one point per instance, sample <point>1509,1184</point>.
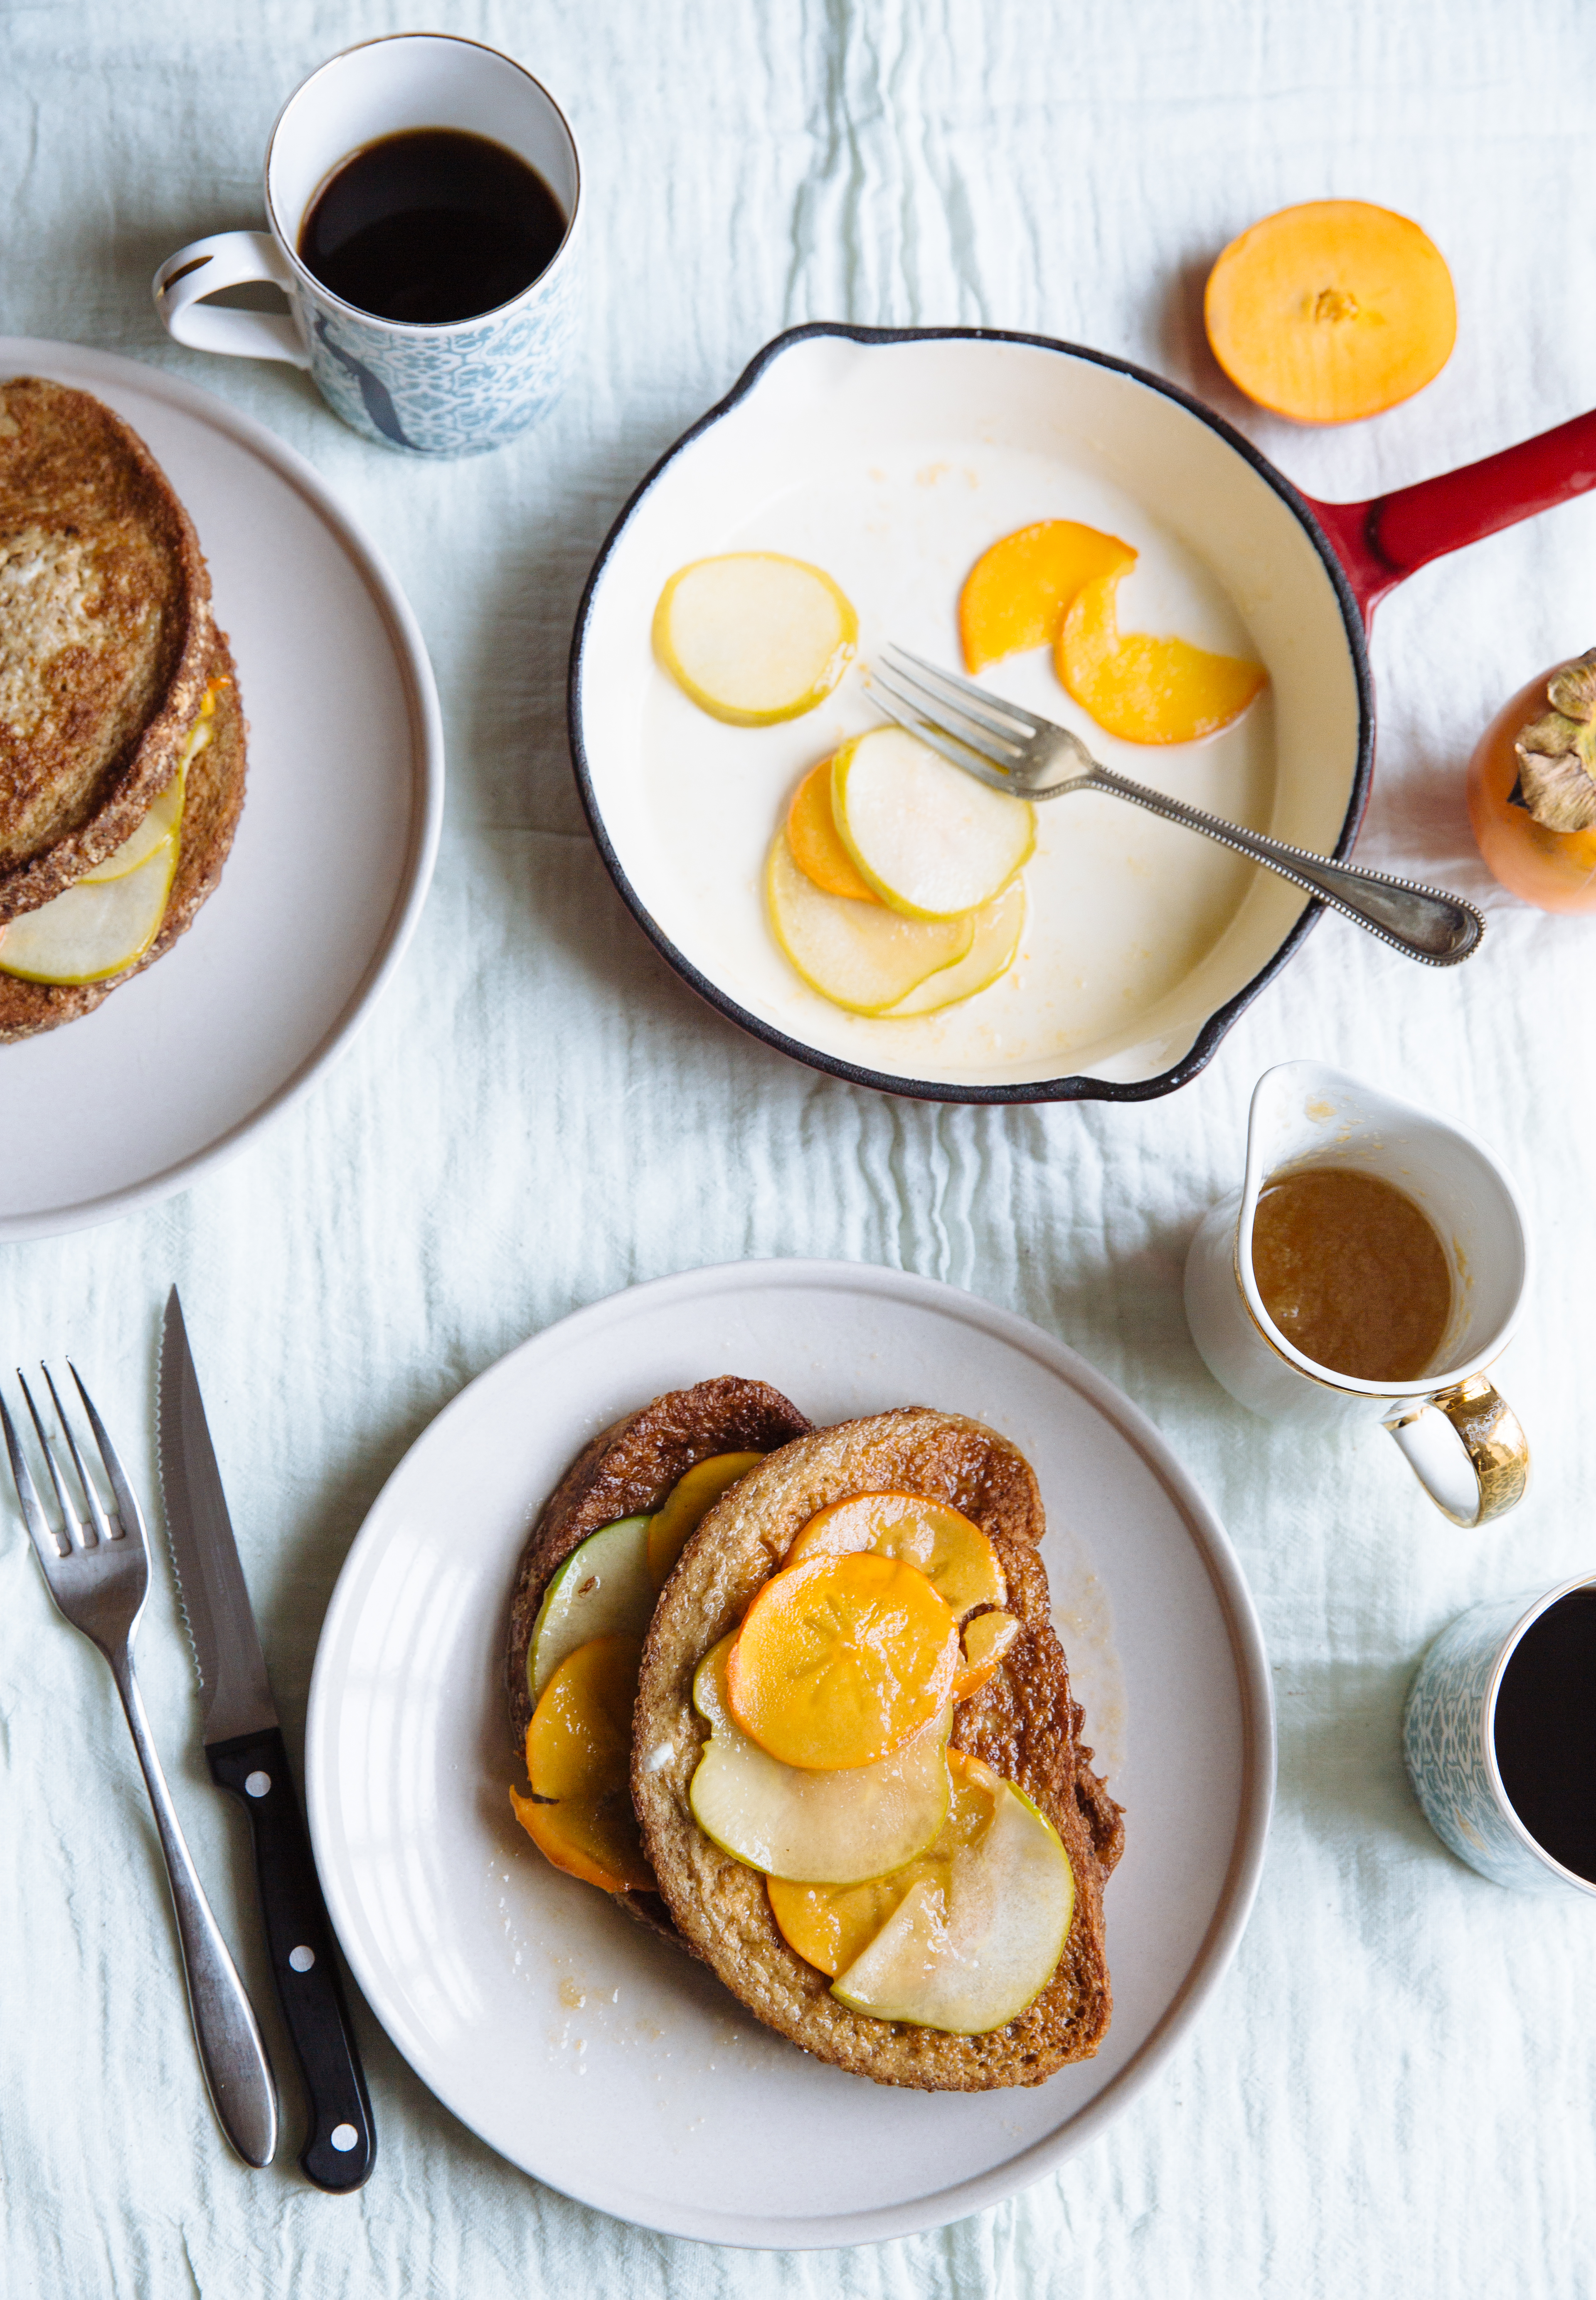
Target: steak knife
<point>246,1752</point>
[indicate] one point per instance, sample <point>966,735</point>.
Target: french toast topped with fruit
<point>857,1786</point>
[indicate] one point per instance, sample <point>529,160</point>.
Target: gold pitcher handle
<point>1467,1447</point>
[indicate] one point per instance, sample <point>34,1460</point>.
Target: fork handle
<point>237,2072</point>
<point>1438,929</point>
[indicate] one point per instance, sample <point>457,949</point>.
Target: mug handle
<point>228,259</point>
<point>1467,1447</point>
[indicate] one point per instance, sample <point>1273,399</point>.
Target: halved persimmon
<point>841,1659</point>
<point>949,1548</point>
<point>1146,689</point>
<point>1016,595</point>
<point>579,1759</point>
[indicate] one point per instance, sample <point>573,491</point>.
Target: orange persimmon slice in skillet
<point>1146,689</point>
<point>840,1661</point>
<point>816,843</point>
<point>579,1761</point>
<point>1016,595</point>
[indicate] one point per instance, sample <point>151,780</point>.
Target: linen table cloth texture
<point>1395,2087</point>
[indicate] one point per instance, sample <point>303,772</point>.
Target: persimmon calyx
<point>1557,753</point>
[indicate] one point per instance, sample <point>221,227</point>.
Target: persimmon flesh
<point>579,1759</point>
<point>816,842</point>
<point>1017,594</point>
<point>840,1661</point>
<point>1146,689</point>
<point>1331,312</point>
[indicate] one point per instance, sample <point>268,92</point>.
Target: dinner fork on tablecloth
<point>1017,751</point>
<point>97,1570</point>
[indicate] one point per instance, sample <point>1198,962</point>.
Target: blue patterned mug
<point>1453,1751</point>
<point>457,389</point>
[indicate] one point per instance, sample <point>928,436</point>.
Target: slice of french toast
<point>628,1468</point>
<point>105,636</point>
<point>1023,1723</point>
<point>213,794</point>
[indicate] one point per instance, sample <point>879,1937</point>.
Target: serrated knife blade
<point>247,1757</point>
<point>235,1691</point>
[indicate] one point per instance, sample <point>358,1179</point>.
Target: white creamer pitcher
<point>1463,1441</point>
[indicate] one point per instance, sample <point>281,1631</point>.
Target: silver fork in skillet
<point>97,1570</point>
<point>1015,750</point>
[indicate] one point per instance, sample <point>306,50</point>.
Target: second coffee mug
<point>1461,1438</point>
<point>457,387</point>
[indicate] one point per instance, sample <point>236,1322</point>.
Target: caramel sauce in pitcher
<point>1352,1273</point>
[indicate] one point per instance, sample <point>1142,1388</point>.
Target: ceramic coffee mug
<point>1449,1743</point>
<point>1461,1438</point>
<point>454,390</point>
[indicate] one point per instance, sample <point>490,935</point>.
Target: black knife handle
<point>342,2147</point>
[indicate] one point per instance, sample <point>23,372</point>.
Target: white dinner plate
<point>592,2053</point>
<point>334,850</point>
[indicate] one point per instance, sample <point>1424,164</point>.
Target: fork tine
<point>942,717</point>
<point>91,1492</point>
<point>78,1533</point>
<point>49,1544</point>
<point>129,1517</point>
<point>976,703</point>
<point>965,760</point>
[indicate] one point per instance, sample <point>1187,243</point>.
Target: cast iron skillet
<point>1365,549</point>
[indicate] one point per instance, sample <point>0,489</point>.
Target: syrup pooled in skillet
<point>1352,1273</point>
<point>431,225</point>
<point>1546,1731</point>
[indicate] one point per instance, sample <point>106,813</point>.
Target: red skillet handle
<point>1380,542</point>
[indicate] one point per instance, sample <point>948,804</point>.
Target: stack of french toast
<point>793,1697</point>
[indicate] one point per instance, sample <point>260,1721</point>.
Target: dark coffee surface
<point>431,225</point>
<point>1546,1731</point>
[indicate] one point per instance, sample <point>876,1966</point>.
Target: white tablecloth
<point>1395,2088</point>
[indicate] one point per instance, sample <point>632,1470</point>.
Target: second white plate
<point>599,2058</point>
<point>335,848</point>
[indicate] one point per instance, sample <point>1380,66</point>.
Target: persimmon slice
<point>1146,689</point>
<point>1332,310</point>
<point>692,1498</point>
<point>579,1759</point>
<point>840,1661</point>
<point>949,1548</point>
<point>817,843</point>
<point>1016,595</point>
<point>987,1639</point>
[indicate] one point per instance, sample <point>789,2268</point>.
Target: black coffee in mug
<point>431,225</point>
<point>1546,1731</point>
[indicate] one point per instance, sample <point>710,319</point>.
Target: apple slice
<point>968,1948</point>
<point>861,955</point>
<point>998,928</point>
<point>816,842</point>
<point>838,1828</point>
<point>154,830</point>
<point>604,1589</point>
<point>930,841</point>
<point>97,927</point>
<point>752,637</point>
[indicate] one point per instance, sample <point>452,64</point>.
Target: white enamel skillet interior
<point>892,458</point>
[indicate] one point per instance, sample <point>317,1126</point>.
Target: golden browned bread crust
<point>104,635</point>
<point>1023,1723</point>
<point>211,804</point>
